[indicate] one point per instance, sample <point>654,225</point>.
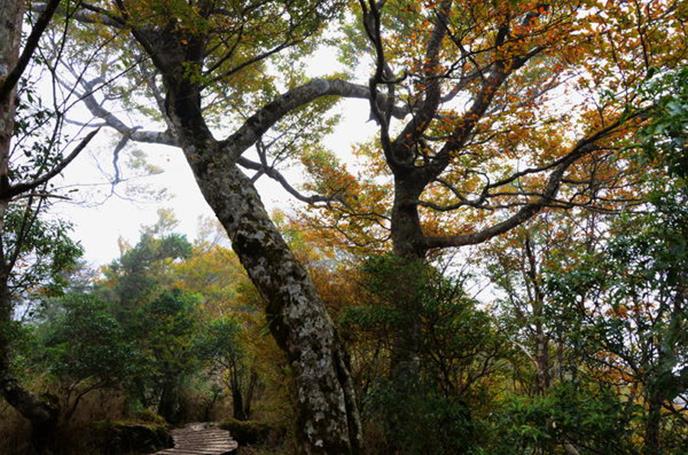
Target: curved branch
<point>260,122</point>
<point>277,176</point>
<point>114,122</point>
<point>525,213</point>
<point>15,190</point>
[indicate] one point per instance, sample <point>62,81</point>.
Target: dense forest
<point>500,268</point>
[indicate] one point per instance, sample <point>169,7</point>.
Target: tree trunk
<point>542,359</point>
<point>327,412</point>
<point>237,396</point>
<point>537,302</point>
<point>11,14</point>
<point>250,391</point>
<point>168,407</point>
<point>406,236</point>
<point>652,424</point>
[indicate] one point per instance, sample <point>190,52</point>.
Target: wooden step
<point>200,439</point>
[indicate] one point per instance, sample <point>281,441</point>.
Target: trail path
<point>200,439</point>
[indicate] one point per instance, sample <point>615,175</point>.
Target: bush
<point>116,437</point>
<point>591,417</point>
<point>416,419</point>
<point>149,416</point>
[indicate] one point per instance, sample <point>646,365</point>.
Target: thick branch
<point>260,122</point>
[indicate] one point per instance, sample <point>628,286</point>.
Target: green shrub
<point>149,416</point>
<point>252,432</point>
<point>116,437</point>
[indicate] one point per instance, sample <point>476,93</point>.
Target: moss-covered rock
<point>116,437</point>
<point>252,432</point>
<point>149,416</point>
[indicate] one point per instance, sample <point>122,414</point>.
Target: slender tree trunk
<point>250,392</point>
<point>537,298</point>
<point>237,396</point>
<point>652,424</point>
<point>542,360</point>
<point>168,407</point>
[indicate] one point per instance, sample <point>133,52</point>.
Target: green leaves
<point>583,414</point>
<point>666,136</point>
<point>45,254</point>
<point>84,341</point>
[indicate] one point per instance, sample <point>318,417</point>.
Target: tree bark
<point>11,14</point>
<point>328,419</point>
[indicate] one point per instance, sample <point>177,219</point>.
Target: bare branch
<point>17,189</point>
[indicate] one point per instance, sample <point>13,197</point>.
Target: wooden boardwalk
<point>201,439</point>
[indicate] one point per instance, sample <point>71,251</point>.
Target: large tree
<point>214,49</point>
<point>483,142</point>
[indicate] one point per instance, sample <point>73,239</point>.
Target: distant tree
<point>459,350</point>
<point>221,344</point>
<point>165,333</point>
<point>84,348</point>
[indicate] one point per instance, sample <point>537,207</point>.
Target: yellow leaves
<point>215,272</point>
